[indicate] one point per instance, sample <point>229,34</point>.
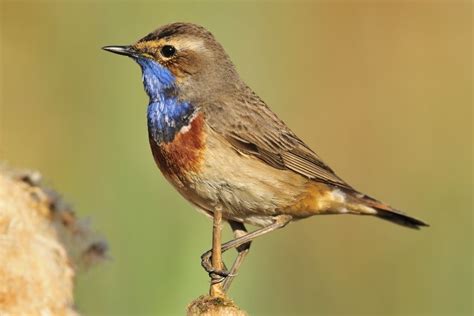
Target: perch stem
<point>216,289</point>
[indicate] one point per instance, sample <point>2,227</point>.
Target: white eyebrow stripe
<point>191,44</point>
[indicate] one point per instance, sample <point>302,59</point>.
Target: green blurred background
<point>382,91</point>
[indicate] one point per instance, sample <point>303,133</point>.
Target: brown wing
<point>252,128</point>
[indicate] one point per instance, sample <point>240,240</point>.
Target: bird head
<point>183,58</point>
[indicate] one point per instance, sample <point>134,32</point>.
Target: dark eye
<point>168,51</point>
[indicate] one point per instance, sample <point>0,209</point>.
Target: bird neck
<point>166,114</point>
<point>167,117</point>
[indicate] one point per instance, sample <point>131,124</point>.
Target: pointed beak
<point>122,50</point>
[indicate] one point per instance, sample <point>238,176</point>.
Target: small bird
<point>223,149</point>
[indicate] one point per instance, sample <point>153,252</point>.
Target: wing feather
<point>252,128</point>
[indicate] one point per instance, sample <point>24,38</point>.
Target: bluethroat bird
<point>222,147</point>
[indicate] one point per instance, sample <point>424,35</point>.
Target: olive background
<point>381,90</point>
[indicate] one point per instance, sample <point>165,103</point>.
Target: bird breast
<point>184,154</point>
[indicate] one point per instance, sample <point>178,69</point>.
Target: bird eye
<point>168,51</point>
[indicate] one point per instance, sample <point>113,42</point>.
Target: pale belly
<point>246,189</point>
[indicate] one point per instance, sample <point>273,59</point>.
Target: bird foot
<point>217,276</point>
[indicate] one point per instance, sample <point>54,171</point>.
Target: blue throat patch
<point>166,114</point>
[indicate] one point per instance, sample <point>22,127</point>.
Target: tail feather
<point>388,213</point>
<point>400,218</point>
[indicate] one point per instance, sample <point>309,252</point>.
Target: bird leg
<point>239,230</point>
<point>279,222</point>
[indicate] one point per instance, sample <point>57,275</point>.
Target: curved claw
<point>219,273</point>
<point>206,261</point>
<point>217,276</point>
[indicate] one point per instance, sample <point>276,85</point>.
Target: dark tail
<point>400,218</point>
<point>388,213</point>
